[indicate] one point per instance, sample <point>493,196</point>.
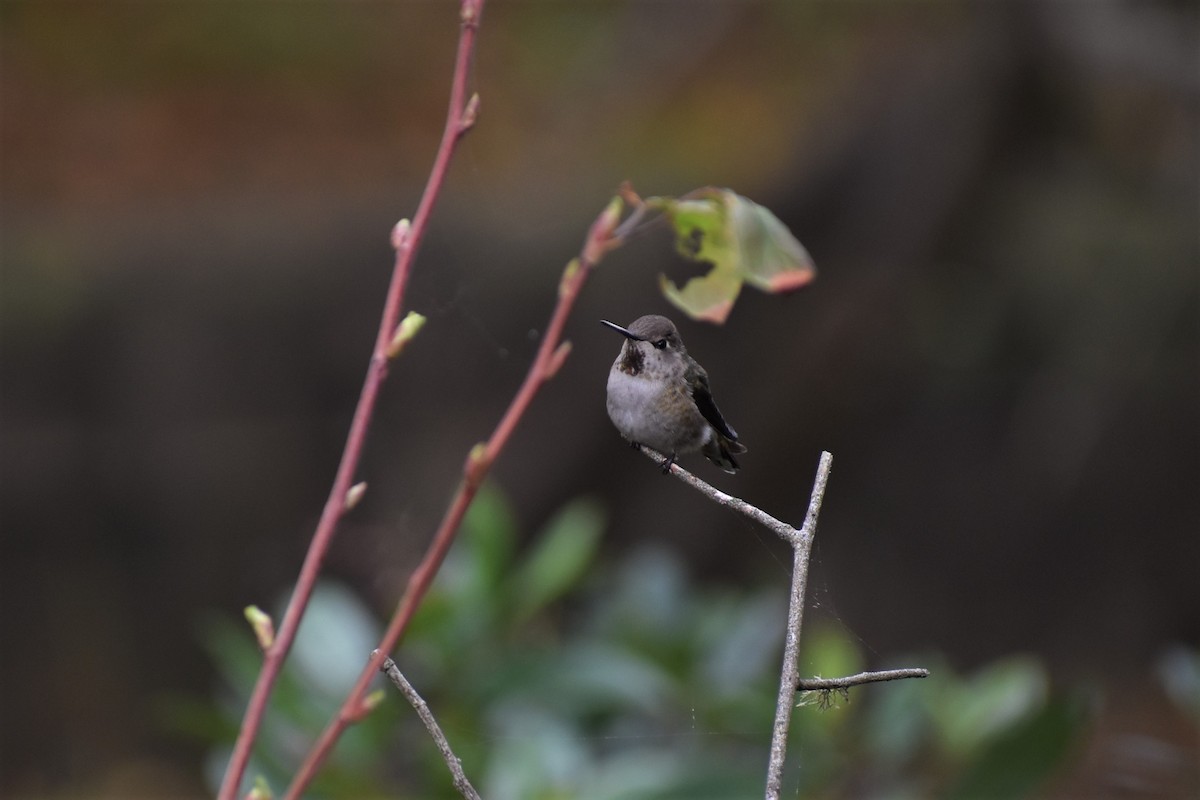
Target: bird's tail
<point>720,451</point>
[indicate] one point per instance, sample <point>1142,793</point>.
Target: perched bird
<point>658,396</point>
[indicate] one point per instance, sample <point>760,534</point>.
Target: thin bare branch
<point>789,676</point>
<point>453,763</point>
<point>460,116</point>
<point>820,684</point>
<point>601,238</point>
<point>780,529</point>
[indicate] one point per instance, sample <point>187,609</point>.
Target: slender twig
<point>407,238</point>
<point>780,529</point>
<point>821,684</point>
<point>824,688</point>
<point>550,356</point>
<point>453,763</point>
<point>790,674</point>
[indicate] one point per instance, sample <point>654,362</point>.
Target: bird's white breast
<point>640,408</point>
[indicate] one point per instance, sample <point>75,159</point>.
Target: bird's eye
<point>660,343</point>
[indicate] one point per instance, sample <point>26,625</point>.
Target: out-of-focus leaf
<point>559,558</point>
<point>829,653</point>
<point>772,259</point>
<point>898,723</point>
<point>608,677</point>
<point>193,718</point>
<point>1025,755</point>
<point>992,701</point>
<point>335,639</point>
<point>669,774</point>
<point>743,241</point>
<point>641,773</point>
<point>650,599</point>
<point>747,646</point>
<point>1179,671</point>
<point>491,533</point>
<point>708,297</point>
<point>537,754</point>
<point>233,651</point>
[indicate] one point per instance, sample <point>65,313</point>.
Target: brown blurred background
<point>1001,347</point>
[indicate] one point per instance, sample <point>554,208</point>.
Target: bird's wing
<point>708,407</point>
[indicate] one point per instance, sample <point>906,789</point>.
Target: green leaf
<point>898,722</point>
<point>560,557</point>
<point>1026,754</point>
<point>490,536</point>
<point>771,258</point>
<point>197,719</point>
<point>709,297</point>
<point>232,650</point>
<point>335,638</point>
<point>829,653</point>
<point>998,697</point>
<point>743,241</point>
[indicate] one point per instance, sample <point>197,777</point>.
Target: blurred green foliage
<point>554,676</point>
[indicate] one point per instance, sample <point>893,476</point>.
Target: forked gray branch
<point>801,543</point>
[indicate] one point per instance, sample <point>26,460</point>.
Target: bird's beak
<point>628,334</point>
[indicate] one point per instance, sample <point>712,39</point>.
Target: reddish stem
<point>600,239</point>
<point>459,119</point>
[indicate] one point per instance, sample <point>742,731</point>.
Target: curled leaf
<point>741,240</point>
<point>708,298</point>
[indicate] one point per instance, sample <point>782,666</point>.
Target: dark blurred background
<point>1000,349</point>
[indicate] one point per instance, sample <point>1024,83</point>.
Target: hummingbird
<point>658,396</point>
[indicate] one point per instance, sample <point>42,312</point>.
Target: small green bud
<point>569,273</point>
<point>405,331</point>
<point>470,113</point>
<point>354,494</point>
<point>373,700</point>
<point>557,358</point>
<point>260,622</point>
<point>400,234</point>
<point>261,790</point>
<point>476,462</point>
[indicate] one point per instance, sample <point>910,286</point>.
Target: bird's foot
<point>667,462</point>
